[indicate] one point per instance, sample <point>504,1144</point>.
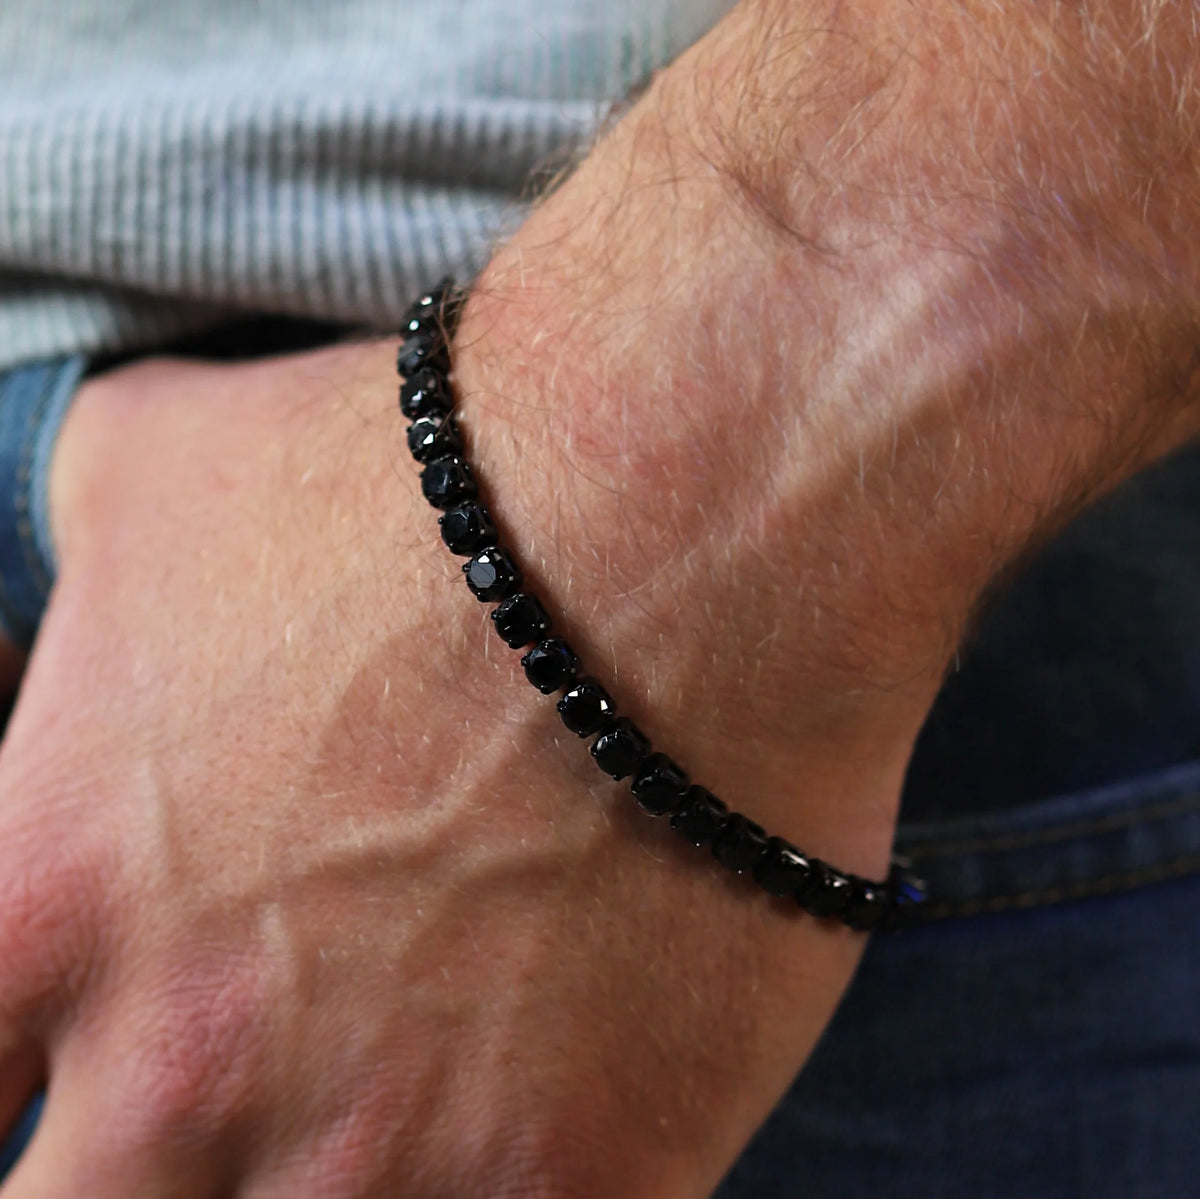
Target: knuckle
<point>192,1050</point>
<point>51,896</point>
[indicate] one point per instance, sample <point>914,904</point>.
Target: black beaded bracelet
<point>619,747</point>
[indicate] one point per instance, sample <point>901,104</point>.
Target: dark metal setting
<point>550,665</point>
<point>740,843</point>
<point>620,748</point>
<point>783,869</point>
<point>520,620</point>
<point>492,574</point>
<point>423,346</point>
<point>467,528</point>
<point>448,481</point>
<point>700,818</point>
<point>586,708</point>
<point>427,391</point>
<point>827,892</point>
<point>433,435</point>
<point>659,786</point>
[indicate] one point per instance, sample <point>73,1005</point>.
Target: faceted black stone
<point>868,905</point>
<point>739,844</point>
<point>467,528</point>
<point>827,891</point>
<point>432,436</point>
<point>492,574</point>
<point>520,620</point>
<point>550,665</point>
<point>659,786</point>
<point>425,392</point>
<point>424,348</point>
<point>448,481</point>
<point>783,869</point>
<point>700,818</point>
<point>441,304</point>
<point>419,324</point>
<point>620,748</point>
<point>586,708</point>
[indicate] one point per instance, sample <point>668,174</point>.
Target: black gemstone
<point>432,436</point>
<point>467,528</point>
<point>701,817</point>
<point>424,348</point>
<point>783,869</point>
<point>620,748</point>
<point>868,905</point>
<point>520,621</point>
<point>659,785</point>
<point>492,574</point>
<point>419,324</point>
<point>550,665</point>
<point>448,481</point>
<point>586,708</point>
<point>827,891</point>
<point>427,391</point>
<point>441,304</point>
<point>739,844</point>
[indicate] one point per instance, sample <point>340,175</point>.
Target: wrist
<point>840,431</point>
<point>685,580</point>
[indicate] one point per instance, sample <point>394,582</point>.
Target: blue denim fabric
<point>1040,1053</point>
<point>34,399</point>
<point>18,1138</point>
<point>1037,1048</point>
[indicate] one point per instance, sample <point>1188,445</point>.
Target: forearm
<point>843,318</point>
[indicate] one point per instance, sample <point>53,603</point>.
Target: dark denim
<point>1046,1050</point>
<point>1041,1053</point>
<point>34,399</point>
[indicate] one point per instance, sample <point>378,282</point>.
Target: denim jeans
<point>1036,1035</point>
<point>34,399</point>
<point>1041,1050</point>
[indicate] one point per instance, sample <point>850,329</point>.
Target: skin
<point>303,890</point>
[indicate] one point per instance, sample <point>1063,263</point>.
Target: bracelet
<point>619,747</point>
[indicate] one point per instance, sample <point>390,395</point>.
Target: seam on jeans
<point>1065,892</point>
<point>1063,832</point>
<point>21,501</point>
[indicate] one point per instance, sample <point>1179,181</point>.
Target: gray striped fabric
<point>165,164</point>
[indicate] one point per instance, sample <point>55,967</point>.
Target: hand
<point>305,891</point>
<point>311,893</point>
